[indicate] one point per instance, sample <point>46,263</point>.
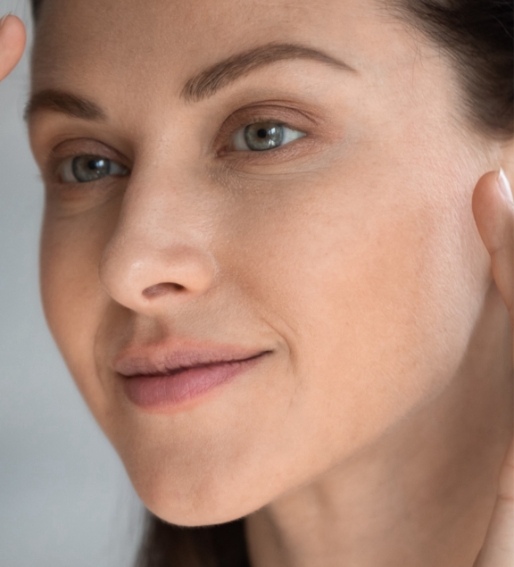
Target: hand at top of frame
<point>12,43</point>
<point>494,216</point>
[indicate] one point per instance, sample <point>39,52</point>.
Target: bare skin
<point>374,257</point>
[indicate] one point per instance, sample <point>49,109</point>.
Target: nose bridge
<point>159,250</point>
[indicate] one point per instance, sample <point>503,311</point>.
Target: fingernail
<point>4,18</point>
<point>504,184</point>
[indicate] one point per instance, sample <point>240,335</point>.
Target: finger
<point>494,217</point>
<point>12,43</point>
<point>493,209</point>
<point>498,549</point>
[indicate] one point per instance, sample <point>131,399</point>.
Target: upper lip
<point>164,359</point>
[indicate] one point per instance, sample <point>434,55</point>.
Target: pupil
<point>94,163</point>
<point>90,168</point>
<point>261,133</point>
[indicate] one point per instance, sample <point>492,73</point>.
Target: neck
<point>421,495</point>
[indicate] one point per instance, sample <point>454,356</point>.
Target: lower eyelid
<point>307,147</point>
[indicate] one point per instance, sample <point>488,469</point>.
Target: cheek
<point>73,300</point>
<point>376,307</point>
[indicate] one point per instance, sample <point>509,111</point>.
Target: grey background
<point>65,499</point>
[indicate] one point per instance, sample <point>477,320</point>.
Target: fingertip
<point>13,38</point>
<point>13,30</point>
<point>481,197</point>
<point>504,186</point>
<point>488,211</point>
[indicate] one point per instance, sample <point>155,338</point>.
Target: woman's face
<point>347,250</point>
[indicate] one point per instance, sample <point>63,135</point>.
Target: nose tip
<point>143,278</point>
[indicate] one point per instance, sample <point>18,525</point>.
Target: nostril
<point>162,289</point>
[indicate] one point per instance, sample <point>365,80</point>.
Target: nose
<point>157,256</point>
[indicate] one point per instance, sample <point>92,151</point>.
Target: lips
<point>167,378</point>
<point>167,362</point>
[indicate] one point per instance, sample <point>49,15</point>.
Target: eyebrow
<point>203,85</point>
<point>214,78</point>
<point>66,103</point>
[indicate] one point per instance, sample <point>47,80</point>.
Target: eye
<point>261,136</point>
<point>87,168</point>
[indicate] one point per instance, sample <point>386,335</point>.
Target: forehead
<point>123,35</point>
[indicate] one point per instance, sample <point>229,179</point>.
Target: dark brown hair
<point>167,545</point>
<point>478,38</point>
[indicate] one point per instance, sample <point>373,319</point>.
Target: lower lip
<point>153,392</point>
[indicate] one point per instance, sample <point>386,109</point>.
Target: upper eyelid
<point>293,119</point>
<point>266,118</point>
<point>284,124</point>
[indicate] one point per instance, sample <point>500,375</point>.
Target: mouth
<point>171,381</point>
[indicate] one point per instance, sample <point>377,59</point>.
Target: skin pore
<point>374,431</point>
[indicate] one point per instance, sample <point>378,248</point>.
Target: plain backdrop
<point>65,499</point>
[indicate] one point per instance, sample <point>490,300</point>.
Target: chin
<point>199,502</point>
<point>191,515</point>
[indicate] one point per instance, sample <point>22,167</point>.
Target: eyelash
<point>67,162</point>
<point>242,129</point>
